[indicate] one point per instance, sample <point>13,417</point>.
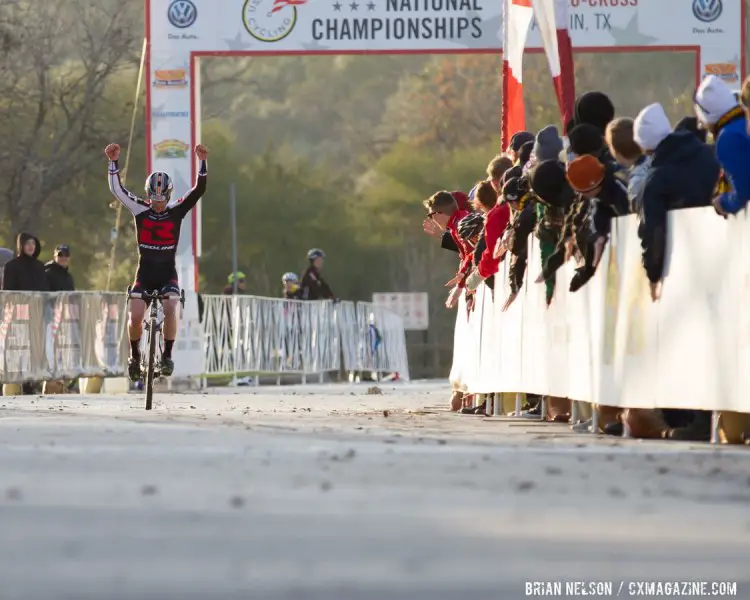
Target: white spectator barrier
<point>50,336</point>
<point>609,343</point>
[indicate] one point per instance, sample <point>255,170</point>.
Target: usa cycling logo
<point>707,10</point>
<point>182,13</point>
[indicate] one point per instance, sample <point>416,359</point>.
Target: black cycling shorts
<point>161,277</point>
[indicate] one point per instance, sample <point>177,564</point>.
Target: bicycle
<point>152,325</point>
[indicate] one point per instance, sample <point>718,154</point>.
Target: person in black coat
<point>59,278</point>
<point>25,273</point>
<point>684,173</point>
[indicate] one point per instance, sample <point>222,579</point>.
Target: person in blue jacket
<point>683,174</point>
<point>718,111</point>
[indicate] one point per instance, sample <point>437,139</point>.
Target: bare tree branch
<point>60,66</point>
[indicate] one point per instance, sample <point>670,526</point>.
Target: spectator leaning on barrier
<point>59,278</point>
<point>496,222</point>
<point>517,195</point>
<point>550,217</point>
<point>239,277</point>
<point>718,111</point>
<point>683,174</point>
<point>314,287</point>
<point>470,230</point>
<point>442,209</point>
<point>692,125</point>
<point>625,150</point>
<point>597,183</point>
<point>25,273</point>
<point>496,169</point>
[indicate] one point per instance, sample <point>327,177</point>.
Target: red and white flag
<point>552,20</point>
<point>279,4</point>
<point>517,17</point>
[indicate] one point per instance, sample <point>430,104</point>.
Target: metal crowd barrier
<point>52,336</point>
<point>248,335</point>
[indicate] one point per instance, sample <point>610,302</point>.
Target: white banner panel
<point>611,343</point>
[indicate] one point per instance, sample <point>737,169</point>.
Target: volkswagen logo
<point>707,10</point>
<point>182,13</point>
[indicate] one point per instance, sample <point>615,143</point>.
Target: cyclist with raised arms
<point>157,223</point>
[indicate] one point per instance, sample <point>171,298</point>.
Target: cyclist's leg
<point>135,329</point>
<point>172,290</point>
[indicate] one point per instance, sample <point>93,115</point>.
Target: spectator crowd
<point>311,286</point>
<point>24,272</point>
<point>566,191</point>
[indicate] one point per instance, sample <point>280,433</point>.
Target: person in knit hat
<point>548,145</point>
<point>586,175</point>
<point>594,108</point>
<point>525,154</point>
<point>684,172</point>
<point>548,183</point>
<point>586,139</point>
<point>517,141</point>
<point>718,111</point>
<point>516,194</point>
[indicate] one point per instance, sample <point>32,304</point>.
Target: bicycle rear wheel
<point>152,335</point>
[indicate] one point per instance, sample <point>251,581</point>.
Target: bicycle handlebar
<point>149,296</point>
<point>155,295</point>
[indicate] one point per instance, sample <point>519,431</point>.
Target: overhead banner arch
<point>180,32</point>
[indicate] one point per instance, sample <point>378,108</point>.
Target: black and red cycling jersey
<point>157,233</point>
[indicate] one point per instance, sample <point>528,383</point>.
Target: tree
<point>56,101</point>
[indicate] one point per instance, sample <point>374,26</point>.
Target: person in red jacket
<point>497,219</point>
<point>443,210</point>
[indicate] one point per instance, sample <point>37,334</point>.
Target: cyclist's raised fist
<point>201,152</point>
<point>112,151</point>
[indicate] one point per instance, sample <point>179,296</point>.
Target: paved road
<point>314,493</point>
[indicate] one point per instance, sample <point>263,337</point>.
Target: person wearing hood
<point>718,110</point>
<point>684,172</point>
<point>59,278</point>
<point>25,273</point>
